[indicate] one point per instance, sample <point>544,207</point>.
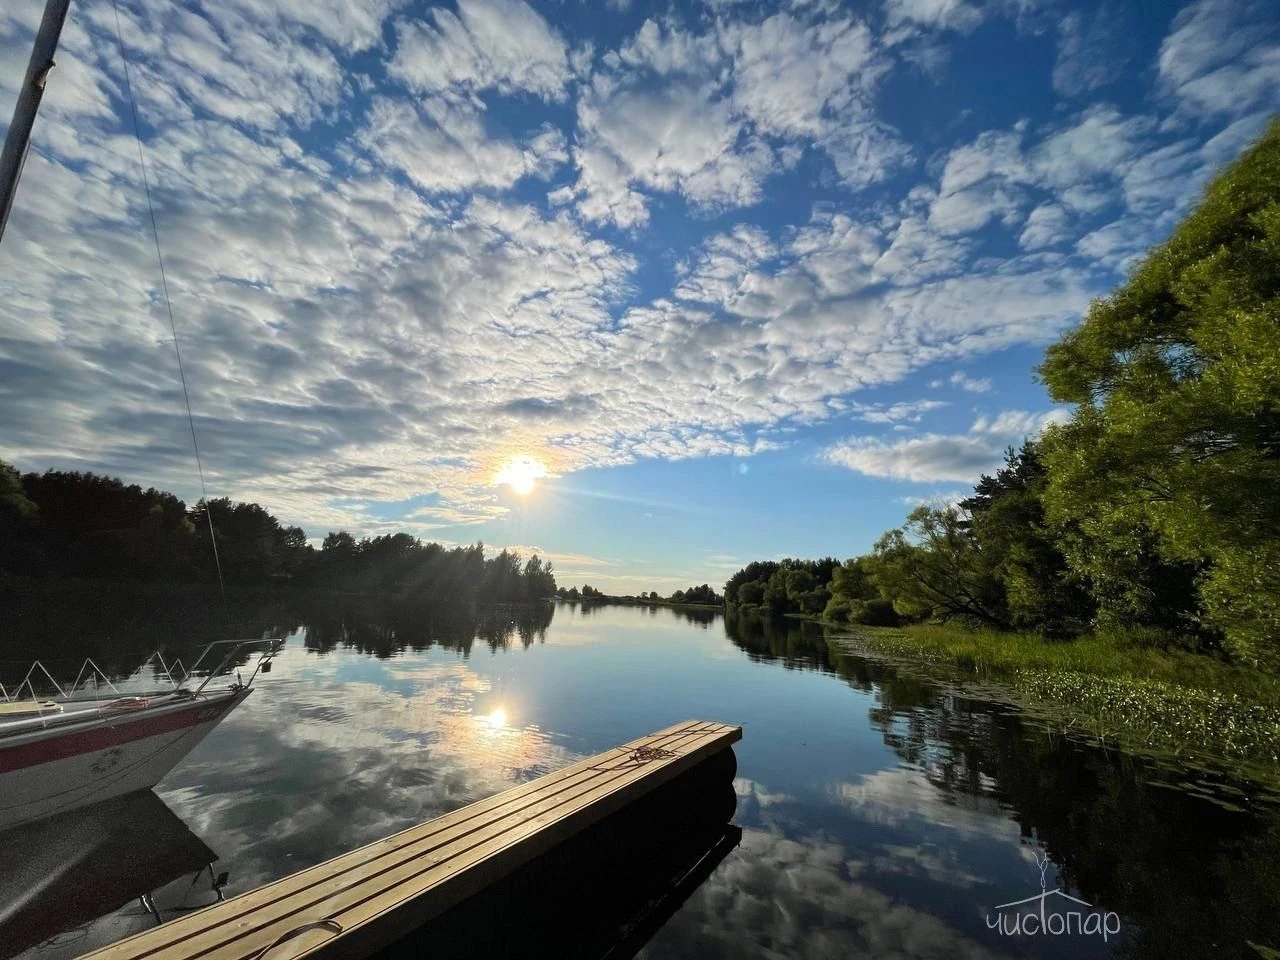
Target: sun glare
<point>521,474</point>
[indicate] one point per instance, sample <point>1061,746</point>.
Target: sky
<point>744,280</point>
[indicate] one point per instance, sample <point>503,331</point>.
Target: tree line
<point>704,594</point>
<point>587,592</point>
<point>73,524</point>
<point>1154,513</point>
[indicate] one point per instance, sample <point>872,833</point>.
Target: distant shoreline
<point>628,601</point>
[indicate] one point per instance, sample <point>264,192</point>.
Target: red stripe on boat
<point>138,726</point>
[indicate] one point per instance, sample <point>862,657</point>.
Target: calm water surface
<point>882,815</point>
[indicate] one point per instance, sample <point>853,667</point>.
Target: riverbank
<point>1156,702</point>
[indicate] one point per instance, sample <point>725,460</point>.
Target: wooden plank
<point>450,854</point>
<point>422,839</point>
<point>454,859</point>
<point>417,899</point>
<point>332,870</point>
<point>355,903</point>
<point>458,853</point>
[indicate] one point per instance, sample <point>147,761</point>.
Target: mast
<point>24,112</point>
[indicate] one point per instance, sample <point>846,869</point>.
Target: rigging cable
<point>164,283</point>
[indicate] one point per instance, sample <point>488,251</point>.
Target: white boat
<point>65,752</point>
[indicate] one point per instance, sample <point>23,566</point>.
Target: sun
<point>521,474</point>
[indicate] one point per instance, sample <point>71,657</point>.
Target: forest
<point>1153,515</point>
<point>82,525</point>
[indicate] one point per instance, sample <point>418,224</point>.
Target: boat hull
<point>59,770</point>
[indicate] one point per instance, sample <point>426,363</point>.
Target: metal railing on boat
<point>88,687</point>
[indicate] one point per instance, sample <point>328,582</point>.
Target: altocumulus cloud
<point>404,241</point>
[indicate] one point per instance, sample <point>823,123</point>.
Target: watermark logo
<point>1052,913</point>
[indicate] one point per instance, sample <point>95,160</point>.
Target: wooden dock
<point>365,900</point>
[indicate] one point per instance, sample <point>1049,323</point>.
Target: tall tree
<point>1175,447</point>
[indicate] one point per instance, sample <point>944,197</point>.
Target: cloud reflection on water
<point>311,767</point>
<point>778,897</point>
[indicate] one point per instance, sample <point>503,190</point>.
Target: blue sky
<point>748,279</point>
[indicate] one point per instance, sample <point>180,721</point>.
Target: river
<point>882,814</point>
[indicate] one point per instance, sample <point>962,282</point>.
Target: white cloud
<point>665,49</point>
<point>352,25</point>
<point>1088,57</point>
<point>1050,186</point>
<point>935,458</point>
<point>444,148</point>
<point>723,265</point>
<point>1046,226</point>
<point>926,459</point>
<point>676,139</point>
<point>937,14</point>
<point>792,79</point>
<point>980,181</point>
<point>1117,244</point>
<point>866,152</point>
<point>1222,57</point>
<point>918,252</point>
<point>1019,423</point>
<point>185,67</point>
<point>907,411</point>
<point>1100,142</point>
<point>711,116</point>
<point>938,501</point>
<point>504,45</point>
<point>817,81</point>
<point>971,384</point>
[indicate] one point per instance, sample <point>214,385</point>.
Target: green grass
<point>993,652</point>
<point>1167,702</point>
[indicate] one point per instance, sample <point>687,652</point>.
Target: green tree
<point>502,577</point>
<point>751,593</point>
<point>756,572</point>
<point>252,546</point>
<point>934,567</point>
<point>539,578</point>
<point>855,598</point>
<point>775,589</point>
<point>1175,447</point>
<point>1007,517</point>
<point>16,509</point>
<point>805,592</point>
<point>699,594</point>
